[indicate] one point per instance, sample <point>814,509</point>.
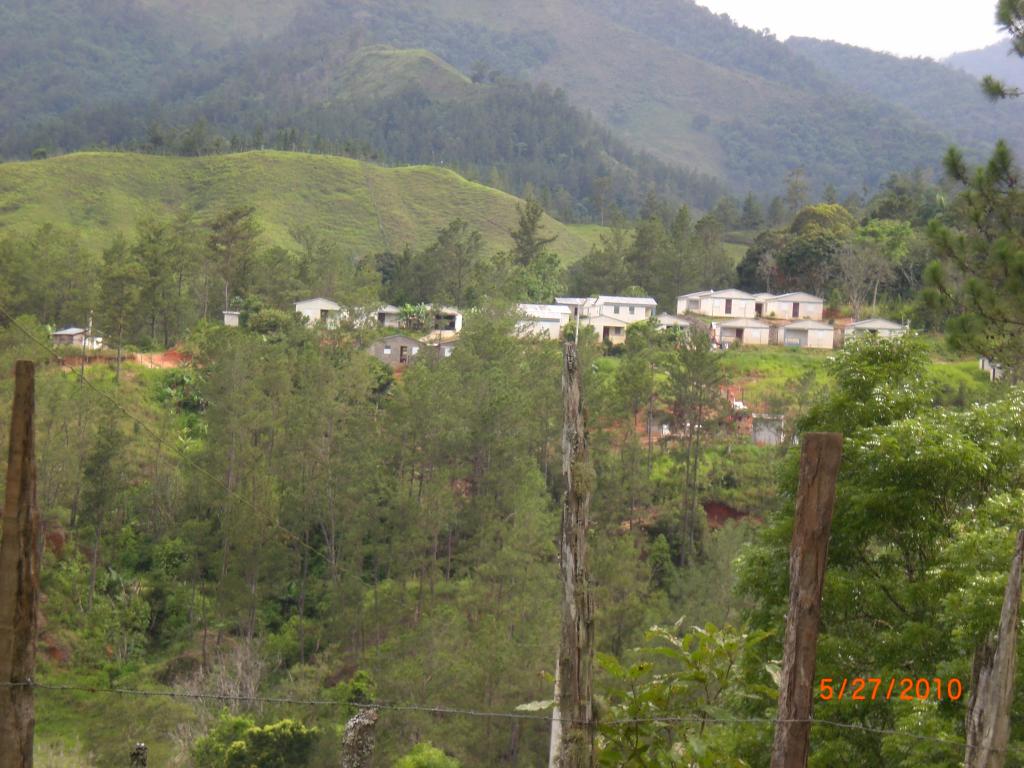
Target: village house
<point>666,320</point>
<point>396,350</point>
<point>545,320</point>
<point>809,334</point>
<point>77,337</point>
<point>631,309</point>
<point>796,306</point>
<point>744,330</point>
<point>320,310</point>
<point>389,316</point>
<point>231,318</point>
<point>730,302</point>
<point>994,370</point>
<point>439,318</point>
<point>874,326</point>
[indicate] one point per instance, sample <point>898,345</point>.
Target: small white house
<point>874,326</point>
<point>730,302</point>
<point>666,320</point>
<point>319,310</point>
<point>231,318</point>
<point>796,305</point>
<point>631,309</point>
<point>389,316</point>
<point>744,330</point>
<point>994,370</point>
<point>77,337</point>
<point>809,334</point>
<point>608,328</point>
<point>545,320</point>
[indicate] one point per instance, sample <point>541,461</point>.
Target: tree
<point>979,276</point>
<point>426,755</point>
<point>120,288</point>
<point>693,392</point>
<point>752,216</point>
<point>797,191</point>
<point>529,244</point>
<point>232,244</point>
<point>1010,16</point>
<point>453,263</point>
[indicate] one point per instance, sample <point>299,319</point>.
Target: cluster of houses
<point>731,316</point>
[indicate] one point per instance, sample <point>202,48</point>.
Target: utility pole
<point>995,666</point>
<point>85,342</point>
<point>574,696</point>
<point>19,579</point>
<point>820,455</point>
<point>358,743</point>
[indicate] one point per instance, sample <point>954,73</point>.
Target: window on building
<point>632,310</point>
<point>387,349</point>
<point>615,308</point>
<point>728,306</point>
<point>796,309</point>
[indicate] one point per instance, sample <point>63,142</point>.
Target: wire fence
<point>449,711</point>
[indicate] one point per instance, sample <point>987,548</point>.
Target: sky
<point>933,28</point>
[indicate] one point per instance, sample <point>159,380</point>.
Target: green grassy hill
<point>366,207</point>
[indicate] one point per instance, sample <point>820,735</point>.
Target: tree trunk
<point>19,579</point>
<point>988,711</point>
<point>819,468</point>
<point>574,706</point>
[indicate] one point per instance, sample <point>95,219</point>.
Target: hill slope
<point>364,207</point>
<point>997,60</point>
<point>673,78</point>
<point>951,101</point>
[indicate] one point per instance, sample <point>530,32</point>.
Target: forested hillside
<point>997,60</point>
<point>952,102</point>
<point>693,88</point>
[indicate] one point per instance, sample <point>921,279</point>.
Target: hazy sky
<point>934,28</point>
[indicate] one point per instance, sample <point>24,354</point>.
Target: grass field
<point>367,208</point>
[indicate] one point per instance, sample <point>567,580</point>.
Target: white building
<point>796,306</point>
<point>874,326</point>
<point>231,318</point>
<point>546,320</point>
<point>78,338</point>
<point>744,330</point>
<point>666,320</point>
<point>809,334</point>
<point>631,309</point>
<point>730,302</point>
<point>319,310</point>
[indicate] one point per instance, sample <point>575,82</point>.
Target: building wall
<point>550,329</point>
<point>784,310</point>
<point>714,306</point>
<point>751,336</point>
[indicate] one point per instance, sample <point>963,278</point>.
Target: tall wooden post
<point>815,500</point>
<point>139,757</point>
<point>19,579</point>
<point>574,704</point>
<point>359,740</point>
<point>995,666</point>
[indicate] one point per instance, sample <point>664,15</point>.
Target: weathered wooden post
<point>139,757</point>
<point>574,696</point>
<point>19,579</point>
<point>820,455</point>
<point>995,666</point>
<point>360,739</point>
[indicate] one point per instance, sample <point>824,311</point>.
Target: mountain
<point>951,101</point>
<point>364,207</point>
<point>997,60</point>
<point>703,95</point>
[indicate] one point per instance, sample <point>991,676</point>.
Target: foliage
<point>237,742</point>
<point>671,707</point>
<point>980,275</point>
<point>425,755</point>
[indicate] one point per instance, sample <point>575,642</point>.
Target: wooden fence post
<point>360,739</point>
<point>995,666</point>
<point>820,455</point>
<point>19,579</point>
<point>574,697</point>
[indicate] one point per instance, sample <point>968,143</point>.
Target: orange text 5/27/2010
<point>901,688</point>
